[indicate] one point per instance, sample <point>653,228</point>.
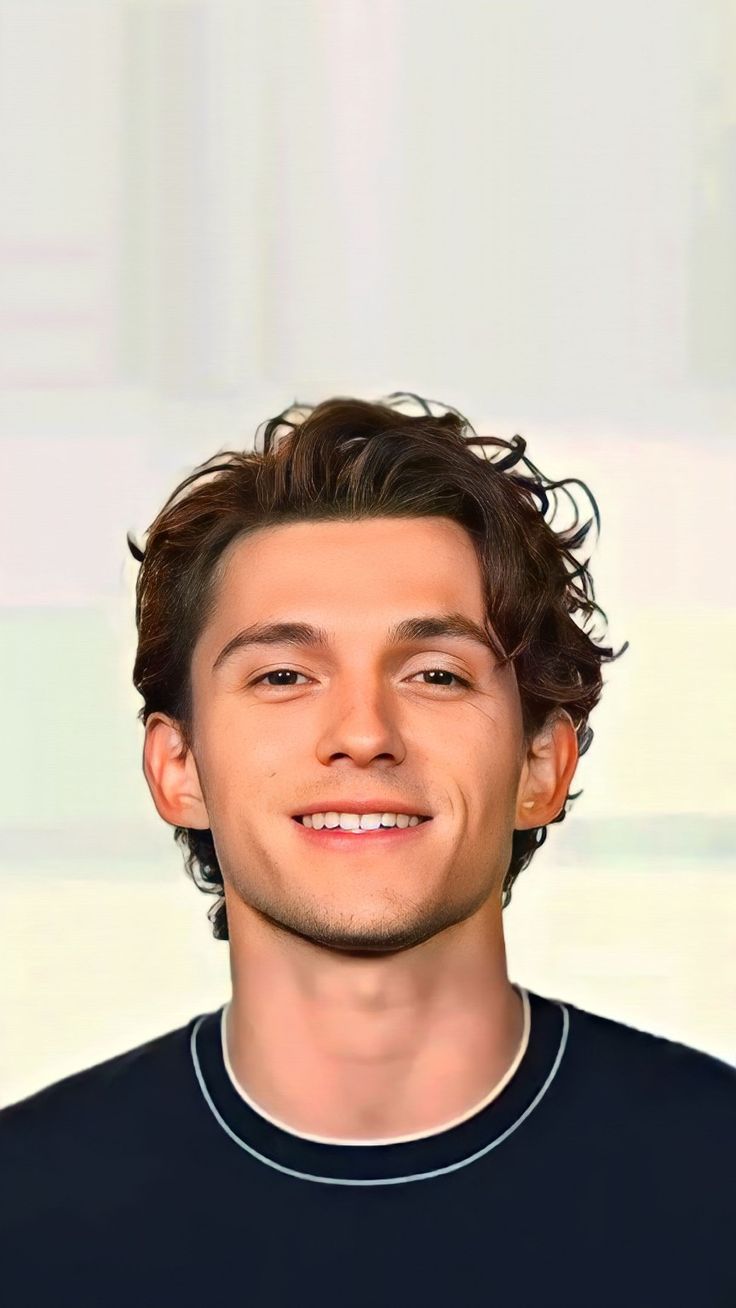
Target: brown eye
<point>291,672</point>
<point>445,672</point>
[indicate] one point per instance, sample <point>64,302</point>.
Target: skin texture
<point>370,990</point>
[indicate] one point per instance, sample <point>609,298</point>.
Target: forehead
<point>344,567</point>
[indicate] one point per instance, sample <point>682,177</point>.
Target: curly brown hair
<point>348,459</point>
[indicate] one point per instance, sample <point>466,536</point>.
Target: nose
<point>361,725</point>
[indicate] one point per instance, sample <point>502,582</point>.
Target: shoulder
<point>131,1087</point>
<point>79,1156</point>
<point>649,1050</point>
<point>664,1083</point>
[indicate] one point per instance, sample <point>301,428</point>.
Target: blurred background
<point>211,210</point>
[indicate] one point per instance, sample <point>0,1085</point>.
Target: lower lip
<point>345,840</point>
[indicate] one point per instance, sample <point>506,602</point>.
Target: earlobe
<point>171,774</point>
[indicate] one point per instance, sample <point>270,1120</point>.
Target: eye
<point>425,672</point>
<point>291,672</point>
<point>445,672</point>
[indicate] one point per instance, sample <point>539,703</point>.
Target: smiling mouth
<point>349,831</point>
<point>345,841</point>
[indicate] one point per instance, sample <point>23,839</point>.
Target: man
<point>377,1115</point>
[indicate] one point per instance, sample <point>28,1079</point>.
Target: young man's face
<point>354,721</point>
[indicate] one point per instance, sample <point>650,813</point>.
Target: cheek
<point>492,798</point>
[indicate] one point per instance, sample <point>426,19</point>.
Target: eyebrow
<point>303,634</point>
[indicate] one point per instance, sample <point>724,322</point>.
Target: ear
<point>171,773</point>
<point>548,769</point>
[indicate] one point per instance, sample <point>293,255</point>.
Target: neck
<point>371,1049</point>
<point>391,1133</point>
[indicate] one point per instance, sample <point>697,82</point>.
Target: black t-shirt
<point>600,1172</point>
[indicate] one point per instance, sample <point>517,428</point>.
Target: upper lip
<point>361,806</point>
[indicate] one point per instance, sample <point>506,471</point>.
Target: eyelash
<point>462,680</point>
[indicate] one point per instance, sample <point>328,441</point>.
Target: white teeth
<point>359,821</point>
